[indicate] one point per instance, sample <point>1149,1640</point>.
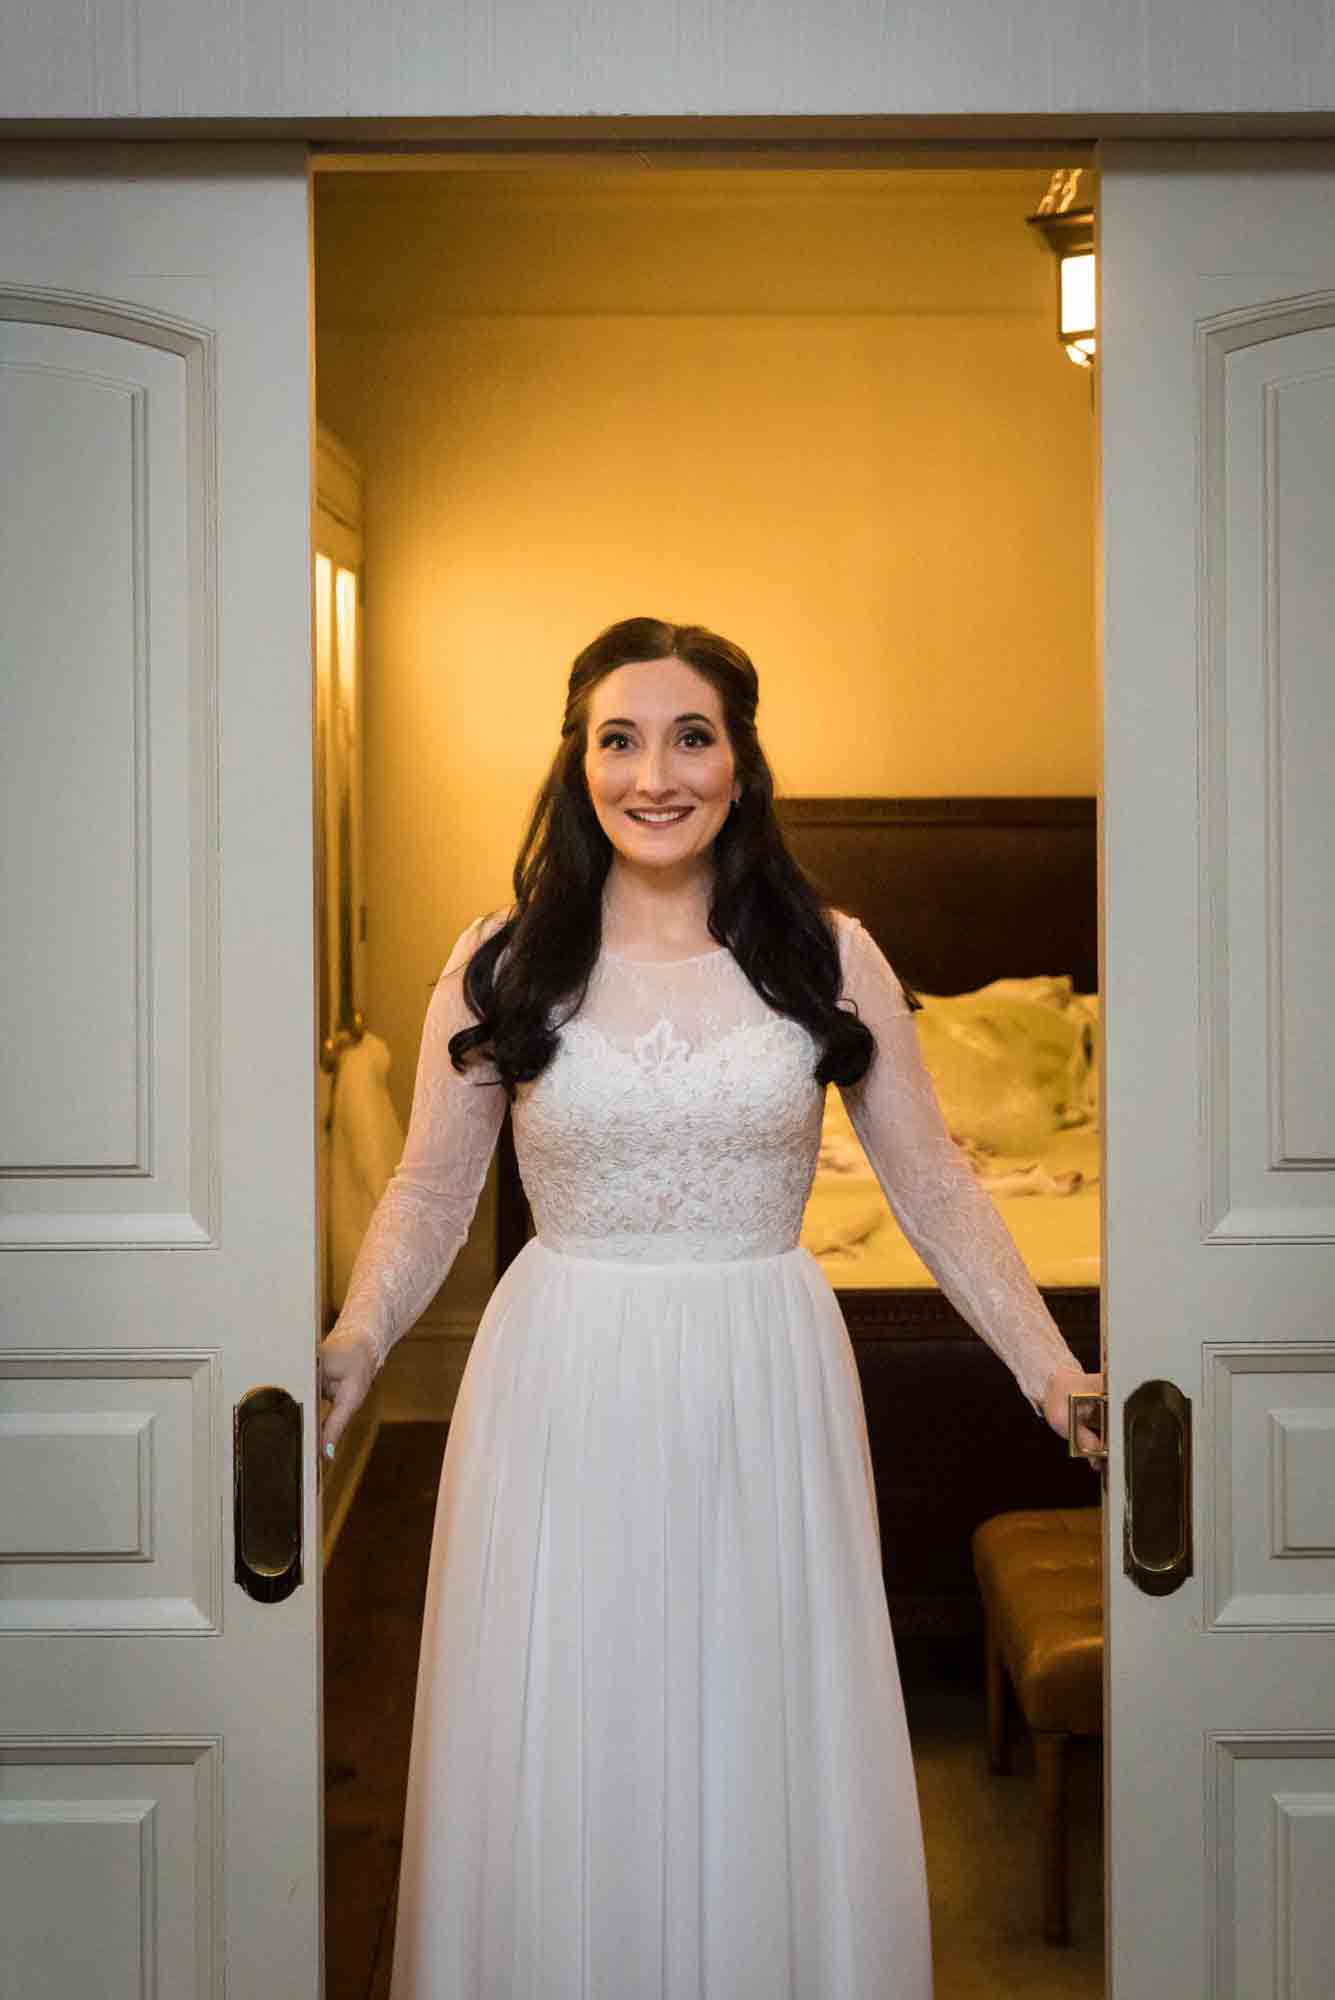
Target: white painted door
<point>1217,385</point>
<point>159,1726</point>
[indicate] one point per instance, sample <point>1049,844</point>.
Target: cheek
<point>596,779</point>
<point>716,778</point>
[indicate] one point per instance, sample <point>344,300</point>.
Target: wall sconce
<point>1068,231</point>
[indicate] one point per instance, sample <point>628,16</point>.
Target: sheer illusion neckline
<point>618,958</point>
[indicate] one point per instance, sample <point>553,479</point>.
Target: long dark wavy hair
<point>770,915</point>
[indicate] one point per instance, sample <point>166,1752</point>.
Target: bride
<point>659,1746</point>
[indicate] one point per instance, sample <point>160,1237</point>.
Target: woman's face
<point>659,766</point>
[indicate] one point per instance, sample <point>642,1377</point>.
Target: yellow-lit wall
<point>824,413</point>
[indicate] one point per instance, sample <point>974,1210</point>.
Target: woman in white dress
<point>659,1747</point>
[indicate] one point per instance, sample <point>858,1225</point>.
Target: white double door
<point>1217,385</point>
<point>160,1784</point>
<point>160,1794</point>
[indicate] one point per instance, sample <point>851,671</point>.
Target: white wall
<point>432,59</point>
<point>825,413</point>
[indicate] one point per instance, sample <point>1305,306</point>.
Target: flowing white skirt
<point>659,1750</point>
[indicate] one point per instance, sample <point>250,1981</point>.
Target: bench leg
<point>998,1741</point>
<point>1050,1761</point>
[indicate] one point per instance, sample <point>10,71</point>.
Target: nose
<point>652,779</point>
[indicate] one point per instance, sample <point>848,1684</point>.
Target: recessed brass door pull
<point>1156,1524</point>
<point>266,1493</point>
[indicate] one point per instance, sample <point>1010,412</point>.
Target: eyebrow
<point>624,721</point>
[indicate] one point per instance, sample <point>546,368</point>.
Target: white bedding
<point>1013,1066</point>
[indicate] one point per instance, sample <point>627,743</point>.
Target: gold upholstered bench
<point>1040,1572</point>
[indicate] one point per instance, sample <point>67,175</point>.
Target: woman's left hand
<point>1067,1382</point>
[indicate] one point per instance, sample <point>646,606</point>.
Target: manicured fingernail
<point>329,1448</point>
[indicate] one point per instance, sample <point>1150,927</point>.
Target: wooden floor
<point>979,1830</point>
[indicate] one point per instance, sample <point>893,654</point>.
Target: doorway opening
<point>822,410</point>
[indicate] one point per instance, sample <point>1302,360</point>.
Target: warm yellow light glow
<point>324,571</point>
<point>1077,306</point>
<point>346,623</point>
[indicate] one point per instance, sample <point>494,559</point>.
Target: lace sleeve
<point>952,1223</point>
<point>424,1214</point>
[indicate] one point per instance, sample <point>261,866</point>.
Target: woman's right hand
<point>347,1370</point>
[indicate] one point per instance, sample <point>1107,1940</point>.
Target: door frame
<point>784,153</point>
<point>780,142</point>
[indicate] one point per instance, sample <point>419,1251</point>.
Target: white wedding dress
<point>659,1749</point>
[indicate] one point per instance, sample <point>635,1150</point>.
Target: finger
<point>346,1403</point>
<point>331,1381</point>
<point>332,1430</point>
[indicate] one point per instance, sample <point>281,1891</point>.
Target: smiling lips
<point>667,816</point>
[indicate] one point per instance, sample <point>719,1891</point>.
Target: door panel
<point>1217,366</point>
<point>108,829</point>
<point>159,1728</point>
<point>1269,440</point>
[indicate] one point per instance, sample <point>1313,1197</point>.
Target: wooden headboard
<point>960,891</point>
<point>955,891</point>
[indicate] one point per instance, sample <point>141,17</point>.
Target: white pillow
<point>1012,1062</point>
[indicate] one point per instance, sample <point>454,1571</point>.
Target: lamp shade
<point>1070,236</point>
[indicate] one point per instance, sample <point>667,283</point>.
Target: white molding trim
<point>1224,1749</point>
<point>1224,1606</point>
<point>1223,1218</point>
<point>193,1204</point>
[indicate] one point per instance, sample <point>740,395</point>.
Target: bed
<point>959,893</point>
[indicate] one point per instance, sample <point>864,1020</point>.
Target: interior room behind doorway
<point>822,411</point>
<point>826,413</point>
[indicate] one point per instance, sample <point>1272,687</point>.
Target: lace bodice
<point>680,1119</point>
